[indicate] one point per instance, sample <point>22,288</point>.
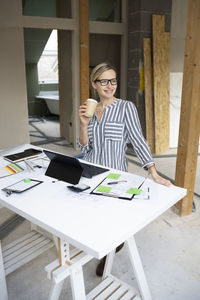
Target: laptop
<point>70,169</point>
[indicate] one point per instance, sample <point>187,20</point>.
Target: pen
<point>28,164</point>
<point>110,195</point>
<point>116,182</point>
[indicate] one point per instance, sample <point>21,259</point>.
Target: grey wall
<point>178,30</point>
<point>13,100</point>
<point>140,26</point>
<point>105,48</point>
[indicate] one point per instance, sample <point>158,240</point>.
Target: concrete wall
<point>105,48</point>
<point>140,26</point>
<point>13,99</point>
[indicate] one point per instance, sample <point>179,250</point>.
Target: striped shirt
<point>108,138</point>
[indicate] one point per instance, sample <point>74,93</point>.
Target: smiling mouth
<point>108,91</point>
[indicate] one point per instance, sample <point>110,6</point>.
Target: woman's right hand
<point>83,119</point>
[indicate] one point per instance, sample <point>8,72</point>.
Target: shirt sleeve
<point>84,149</point>
<point>135,135</point>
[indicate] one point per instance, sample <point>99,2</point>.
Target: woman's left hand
<point>157,178</point>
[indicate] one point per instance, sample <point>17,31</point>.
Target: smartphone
<point>80,187</point>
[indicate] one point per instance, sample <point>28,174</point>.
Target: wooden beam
<point>190,110</point>
<point>84,49</point>
<point>148,93</point>
<point>48,23</point>
<point>103,28</point>
<point>161,72</point>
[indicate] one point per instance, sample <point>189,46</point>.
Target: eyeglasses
<point>104,82</point>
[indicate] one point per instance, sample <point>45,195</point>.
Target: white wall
<point>178,30</point>
<point>176,79</point>
<point>13,99</point>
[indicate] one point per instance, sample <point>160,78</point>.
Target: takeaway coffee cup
<point>91,106</point>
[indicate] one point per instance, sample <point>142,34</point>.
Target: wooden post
<point>190,110</point>
<point>161,72</point>
<point>148,93</point>
<point>84,49</point>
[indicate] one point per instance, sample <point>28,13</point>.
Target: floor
<point>169,246</point>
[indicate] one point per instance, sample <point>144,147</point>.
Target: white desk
<point>94,224</point>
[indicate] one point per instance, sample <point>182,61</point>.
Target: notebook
<point>70,169</point>
<point>28,153</point>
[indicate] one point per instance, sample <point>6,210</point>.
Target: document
<point>9,169</point>
<point>122,186</point>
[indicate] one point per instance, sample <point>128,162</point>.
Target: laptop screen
<point>63,167</point>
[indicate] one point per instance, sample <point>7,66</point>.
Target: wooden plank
<point>130,296</point>
<point>97,290</point>
<point>26,243</point>
<point>121,291</point>
<point>23,250</point>
<point>23,253</point>
<point>190,110</point>
<point>148,93</point>
<point>161,72</point>
<point>112,288</point>
<point>105,294</point>
<point>37,251</point>
<point>21,240</point>
<point>84,49</point>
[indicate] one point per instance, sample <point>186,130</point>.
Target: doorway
<point>41,60</point>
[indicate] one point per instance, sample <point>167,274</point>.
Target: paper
<point>103,189</point>
<point>9,169</point>
<point>113,176</point>
<point>134,191</point>
<point>124,185</point>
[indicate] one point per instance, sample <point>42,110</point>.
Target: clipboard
<point>21,186</point>
<point>122,186</point>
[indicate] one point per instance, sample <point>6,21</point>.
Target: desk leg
<point>55,290</point>
<point>138,269</point>
<point>108,264</point>
<point>3,287</point>
<point>77,283</point>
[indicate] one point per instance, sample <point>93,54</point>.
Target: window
<point>105,11</point>
<point>48,62</point>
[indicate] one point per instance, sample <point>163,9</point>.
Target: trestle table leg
<point>55,290</point>
<point>138,269</point>
<point>77,283</point>
<point>108,264</point>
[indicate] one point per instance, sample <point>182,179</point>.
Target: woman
<point>104,137</point>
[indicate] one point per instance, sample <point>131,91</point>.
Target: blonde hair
<point>99,69</point>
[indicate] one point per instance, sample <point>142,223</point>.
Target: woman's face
<point>106,90</point>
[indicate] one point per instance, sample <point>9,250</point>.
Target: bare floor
<point>169,247</point>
